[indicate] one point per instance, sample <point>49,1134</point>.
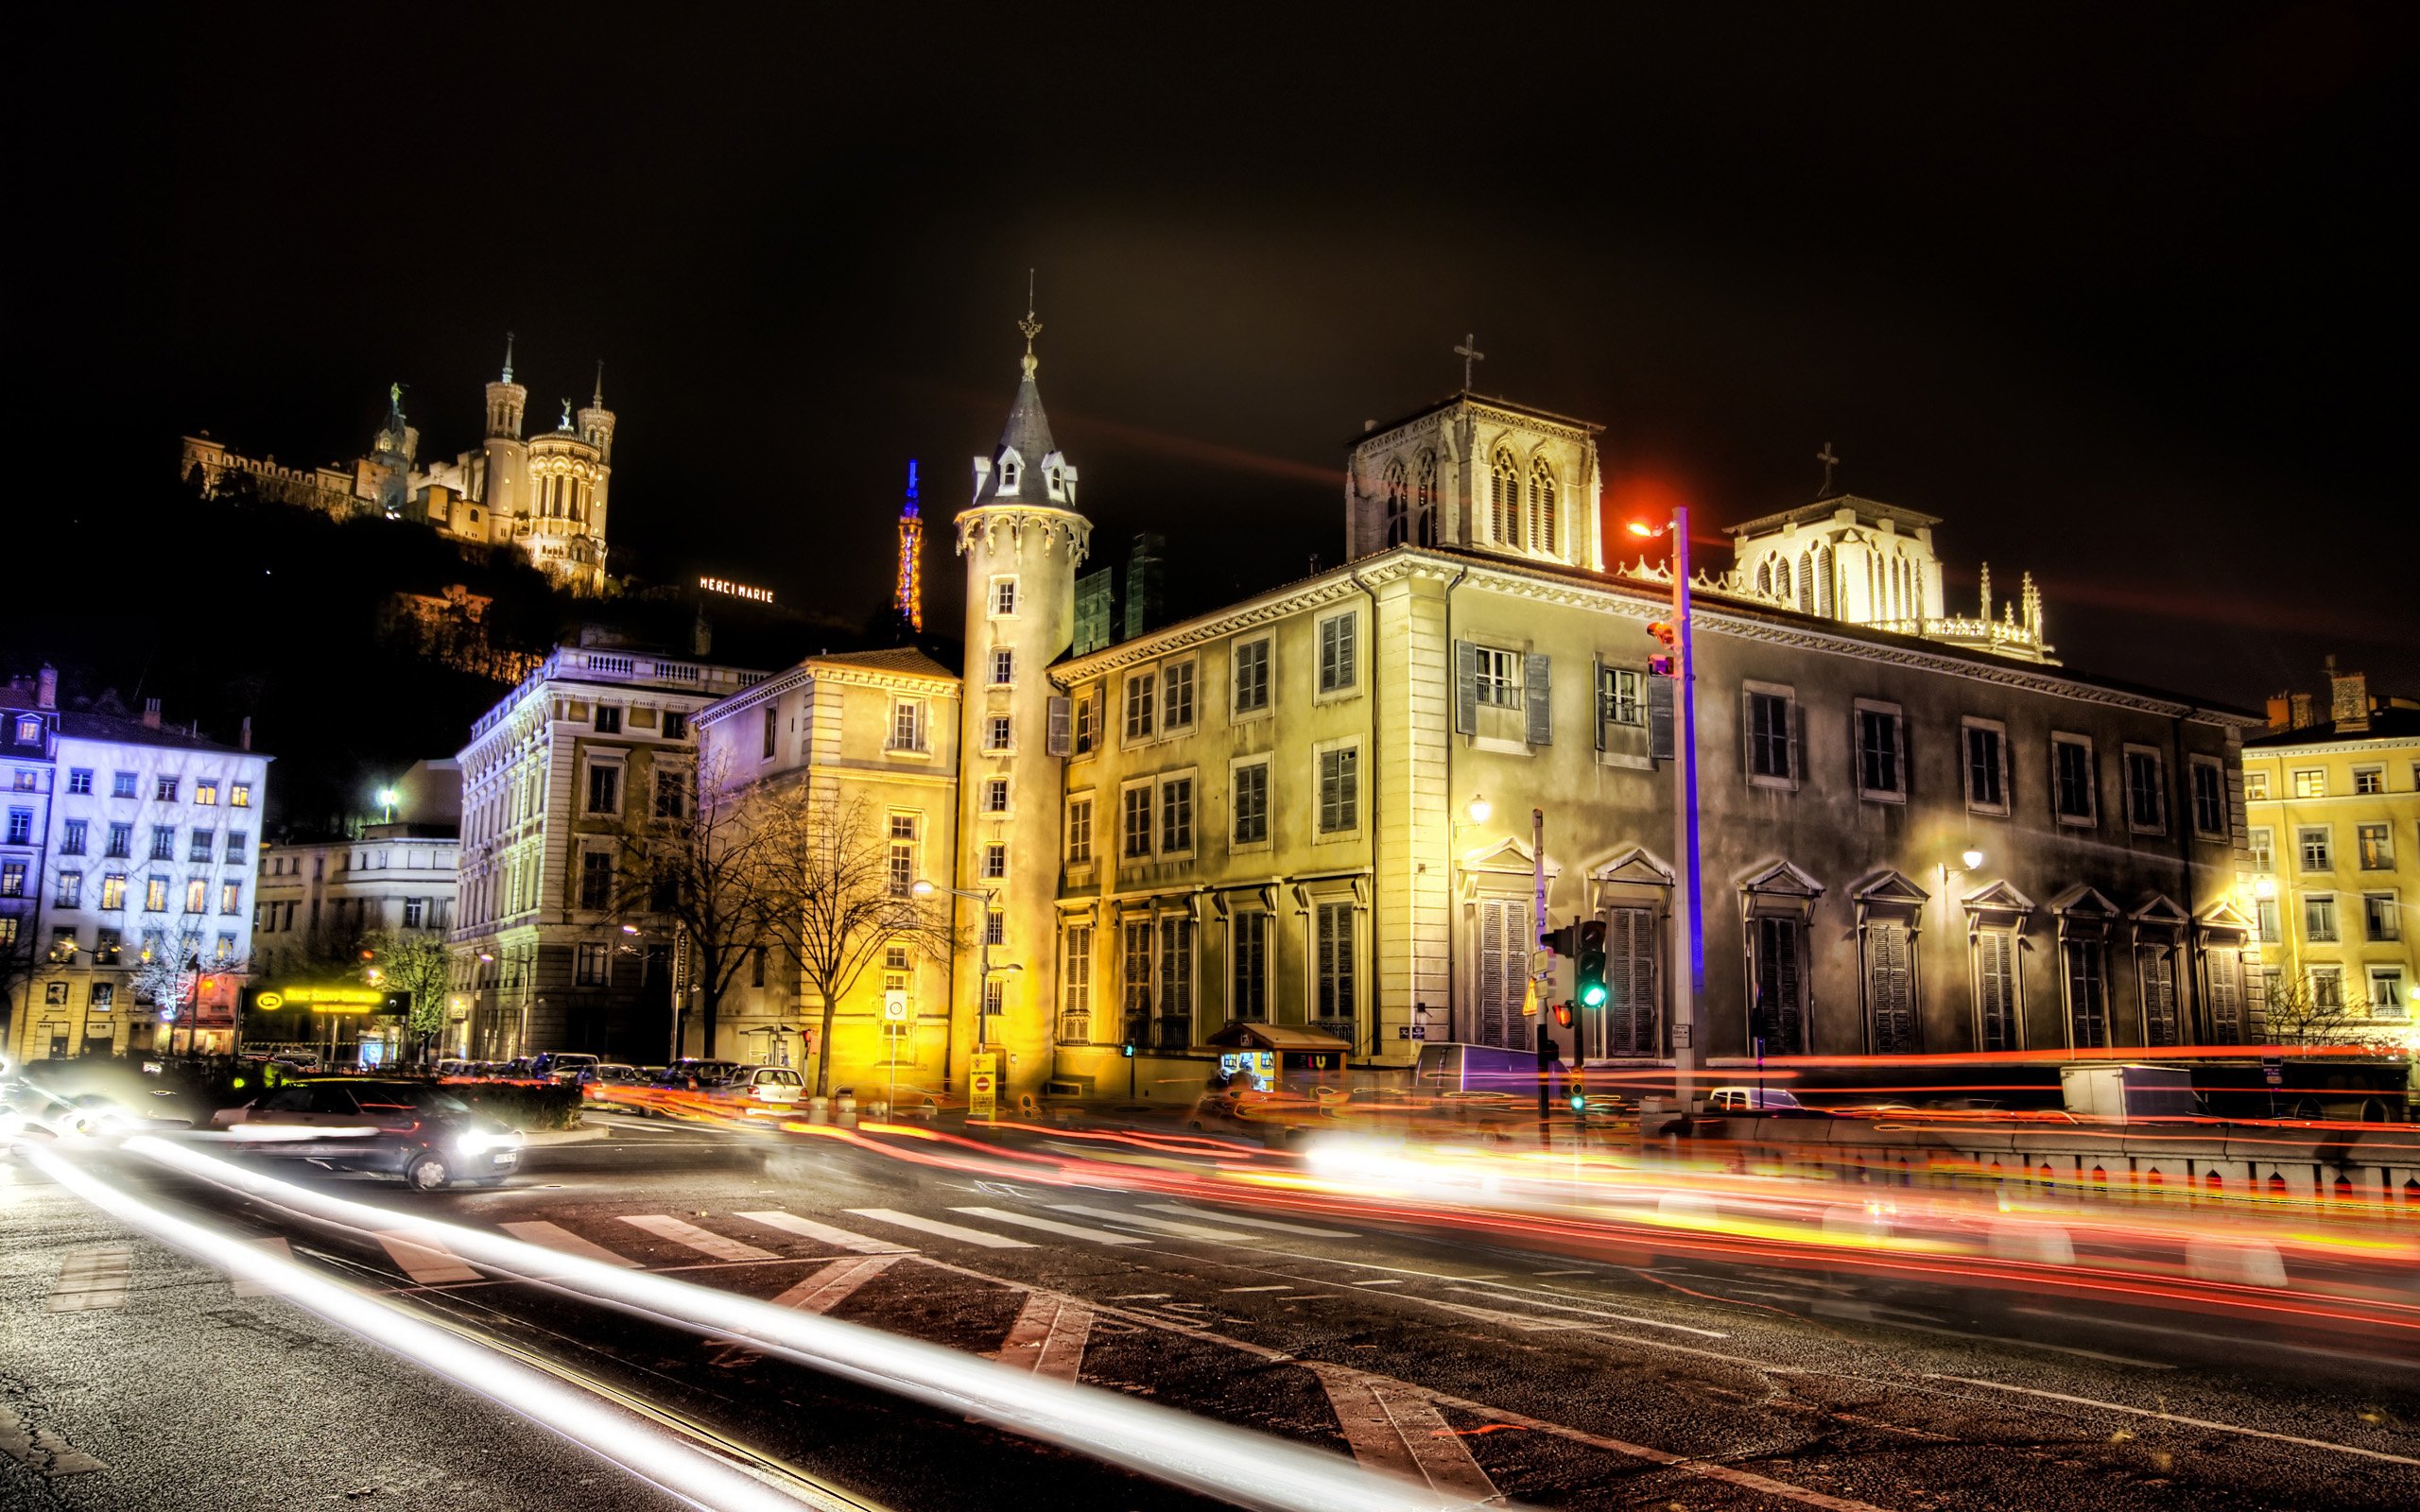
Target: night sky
<point>2116,291</point>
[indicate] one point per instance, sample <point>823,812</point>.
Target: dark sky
<point>2116,290</point>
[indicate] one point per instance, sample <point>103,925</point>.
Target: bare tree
<point>412,962</point>
<point>172,964</point>
<point>704,860</point>
<point>2299,1014</point>
<point>835,904</point>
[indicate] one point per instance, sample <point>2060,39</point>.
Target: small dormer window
<point>1011,471</point>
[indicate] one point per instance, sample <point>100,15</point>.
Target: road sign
<point>1412,1031</point>
<point>894,1006</point>
<point>983,1087</point>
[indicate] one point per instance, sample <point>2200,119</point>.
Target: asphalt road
<point>131,1375</point>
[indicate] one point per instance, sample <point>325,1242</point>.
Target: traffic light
<point>1661,665</point>
<point>1591,969</point>
<point>1127,1050</point>
<point>1579,1101</point>
<point>1563,1014</point>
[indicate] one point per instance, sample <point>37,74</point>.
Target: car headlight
<point>475,1142</point>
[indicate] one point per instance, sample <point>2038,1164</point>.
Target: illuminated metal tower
<point>910,599</point>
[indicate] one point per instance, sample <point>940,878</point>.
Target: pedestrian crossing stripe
<point>1270,1224</point>
<point>934,1226</point>
<point>1051,1225</point>
<point>1165,1226</point>
<point>825,1233</point>
<point>704,1241</point>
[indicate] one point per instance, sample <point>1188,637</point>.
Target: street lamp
<point>386,801</point>
<point>926,888</point>
<point>1688,920</point>
<point>1479,808</point>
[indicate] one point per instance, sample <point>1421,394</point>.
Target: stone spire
<point>507,356</point>
<point>1026,466</point>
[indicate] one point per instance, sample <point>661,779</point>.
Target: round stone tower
<point>506,491</point>
<point>1023,542</point>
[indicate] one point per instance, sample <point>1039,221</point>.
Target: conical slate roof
<point>1028,434</point>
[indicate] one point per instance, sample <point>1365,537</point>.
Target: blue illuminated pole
<point>1688,920</point>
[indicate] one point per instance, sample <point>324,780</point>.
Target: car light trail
<point>678,1469</point>
<point>1230,1464</point>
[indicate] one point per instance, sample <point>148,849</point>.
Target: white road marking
<point>1563,1273</point>
<point>1051,1225</point>
<point>1048,1337</point>
<point>2023,1344</point>
<point>1165,1225</point>
<point>824,1233</point>
<point>832,1285</point>
<point>1257,1288</point>
<point>277,1248</point>
<point>1597,1311</point>
<point>92,1276</point>
<point>704,1241</point>
<point>934,1226</point>
<point>1141,1296</point>
<point>1271,1224</point>
<point>1388,1282</point>
<point>425,1262</point>
<point>563,1242</point>
<point>2177,1418</point>
<point>1393,1427</point>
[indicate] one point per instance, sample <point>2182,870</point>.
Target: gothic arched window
<point>1805,582</point>
<point>1781,579</point>
<point>1424,500</point>
<point>1542,537</point>
<point>1504,500</point>
<point>1824,581</point>
<point>1398,506</point>
<point>1764,576</point>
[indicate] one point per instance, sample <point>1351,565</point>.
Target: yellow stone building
<point>2332,797</point>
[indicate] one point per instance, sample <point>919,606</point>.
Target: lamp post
<point>926,888</point>
<point>1688,919</point>
<point>1969,861</point>
<point>386,803</point>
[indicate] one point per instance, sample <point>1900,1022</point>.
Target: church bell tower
<point>506,456</point>
<point>1023,542</point>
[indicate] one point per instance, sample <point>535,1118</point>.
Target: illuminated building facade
<point>544,494</point>
<point>316,900</point>
<point>147,842</point>
<point>584,753</point>
<point>2333,791</point>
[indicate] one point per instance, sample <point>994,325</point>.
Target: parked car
<point>561,1065</point>
<point>412,1129</point>
<point>696,1076</point>
<point>1755,1102</point>
<point>763,1086</point>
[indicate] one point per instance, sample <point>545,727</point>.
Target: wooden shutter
<point>1465,688</point>
<point>1889,988</point>
<point>1631,1020</point>
<point>1778,977</point>
<point>1537,697</point>
<point>1659,718</point>
<point>1504,940</point>
<point>1996,987</point>
<point>2225,970</point>
<point>1599,707</point>
<point>2156,967</point>
<point>1062,718</point>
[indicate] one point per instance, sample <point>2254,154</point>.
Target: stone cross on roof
<point>1829,461</point>
<point>1469,353</point>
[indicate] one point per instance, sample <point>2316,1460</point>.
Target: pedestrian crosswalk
<point>92,1276</point>
<point>947,1230</point>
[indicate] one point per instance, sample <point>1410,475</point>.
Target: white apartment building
<point>148,853</point>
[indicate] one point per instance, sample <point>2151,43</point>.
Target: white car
<point>764,1086</point>
<point>1751,1101</point>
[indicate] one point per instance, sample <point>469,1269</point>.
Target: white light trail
<point>1231,1464</point>
<point>681,1470</point>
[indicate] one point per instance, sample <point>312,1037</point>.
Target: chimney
<point>2348,696</point>
<point>151,713</point>
<point>244,736</point>
<point>2281,712</point>
<point>2301,704</point>
<point>47,687</point>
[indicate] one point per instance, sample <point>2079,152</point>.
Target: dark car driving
<point>413,1130</point>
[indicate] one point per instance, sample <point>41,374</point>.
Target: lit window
<point>230,898</point>
<point>206,794</point>
<point>2311,782</point>
<point>2256,786</point>
<point>240,794</point>
<point>2376,847</point>
<point>29,732</point>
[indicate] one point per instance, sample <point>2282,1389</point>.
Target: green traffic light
<point>1593,994</point>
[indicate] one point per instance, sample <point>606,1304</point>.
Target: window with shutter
<point>2223,970</point>
<point>1337,996</point>
<point>1779,1008</point>
<point>2156,968</point>
<point>1061,713</point>
<point>1630,1020</point>
<point>1660,699</point>
<point>1465,688</point>
<point>1890,987</point>
<point>2088,994</point>
<point>1996,987</point>
<point>1503,955</point>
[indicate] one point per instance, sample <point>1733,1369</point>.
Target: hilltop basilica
<point>544,494</point>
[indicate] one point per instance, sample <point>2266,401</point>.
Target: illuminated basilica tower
<point>909,597</point>
<point>1023,542</point>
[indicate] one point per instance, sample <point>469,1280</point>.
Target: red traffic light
<point>1662,631</point>
<point>1563,1015</point>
